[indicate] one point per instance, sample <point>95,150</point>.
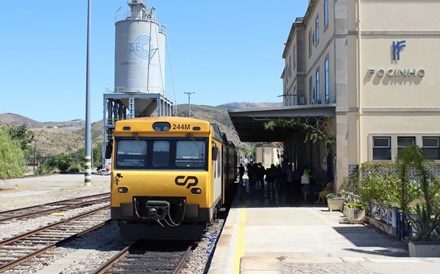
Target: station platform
<point>270,230</point>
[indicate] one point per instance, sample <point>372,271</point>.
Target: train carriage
<point>169,176</point>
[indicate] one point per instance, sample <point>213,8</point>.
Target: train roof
<point>173,124</point>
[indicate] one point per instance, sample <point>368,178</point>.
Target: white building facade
<point>376,63</point>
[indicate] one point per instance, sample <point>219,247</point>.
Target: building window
<point>326,81</point>
<point>293,98</point>
<point>310,89</point>
<point>431,147</point>
<point>325,14</point>
<point>310,41</point>
<point>381,148</point>
<point>293,58</point>
<point>317,30</point>
<point>403,142</point>
<point>317,90</point>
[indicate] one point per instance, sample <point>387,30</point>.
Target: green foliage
<point>351,183</point>
<point>386,189</point>
<point>12,162</point>
<point>22,135</point>
<point>249,152</point>
<point>43,168</point>
<point>334,196</point>
<point>313,134</point>
<point>24,138</point>
<point>424,223</point>
<point>64,162</point>
<point>427,215</point>
<point>380,182</point>
<point>435,192</point>
<point>357,205</point>
<point>408,159</point>
<point>97,154</point>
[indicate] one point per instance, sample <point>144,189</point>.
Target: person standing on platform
<point>289,178</point>
<point>261,172</point>
<point>241,173</point>
<point>305,182</point>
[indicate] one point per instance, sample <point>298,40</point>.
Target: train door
<point>217,171</point>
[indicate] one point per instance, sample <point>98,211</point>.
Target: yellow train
<point>169,176</point>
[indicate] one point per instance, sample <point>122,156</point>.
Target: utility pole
<point>88,137</point>
<point>189,93</point>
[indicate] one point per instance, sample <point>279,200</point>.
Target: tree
<point>411,158</point>
<point>12,163</point>
<point>22,135</point>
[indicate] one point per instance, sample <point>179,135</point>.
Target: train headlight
<point>161,126</point>
<point>122,189</point>
<point>196,190</point>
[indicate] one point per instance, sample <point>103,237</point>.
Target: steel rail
<point>136,263</point>
<point>63,204</point>
<point>51,243</point>
<point>107,265</point>
<point>40,229</point>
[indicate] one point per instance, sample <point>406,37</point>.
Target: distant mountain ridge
<point>52,138</point>
<point>13,119</point>
<point>17,120</point>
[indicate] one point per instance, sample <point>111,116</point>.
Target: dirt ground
<point>16,193</point>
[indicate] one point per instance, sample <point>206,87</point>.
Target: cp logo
<point>190,180</point>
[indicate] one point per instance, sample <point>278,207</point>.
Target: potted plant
<point>424,240</point>
<point>335,202</point>
<point>355,212</point>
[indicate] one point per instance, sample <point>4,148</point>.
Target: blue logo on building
<point>141,47</point>
<point>397,47</point>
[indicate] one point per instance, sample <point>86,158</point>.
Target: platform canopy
<point>249,124</point>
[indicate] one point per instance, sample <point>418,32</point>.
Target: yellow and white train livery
<point>169,176</point>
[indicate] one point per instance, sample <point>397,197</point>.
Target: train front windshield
<point>161,153</point>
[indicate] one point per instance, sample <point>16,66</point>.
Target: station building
<point>364,72</point>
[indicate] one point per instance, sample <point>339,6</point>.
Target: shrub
<point>62,161</point>
<point>12,163</point>
<point>334,196</point>
<point>43,168</point>
<point>382,182</point>
<point>357,205</point>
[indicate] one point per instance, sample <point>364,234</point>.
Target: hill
<point>18,120</point>
<point>52,138</point>
<point>215,115</point>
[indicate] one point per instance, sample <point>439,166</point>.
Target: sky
<point>223,51</point>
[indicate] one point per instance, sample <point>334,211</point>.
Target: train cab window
<point>190,154</point>
<point>161,154</point>
<point>131,153</point>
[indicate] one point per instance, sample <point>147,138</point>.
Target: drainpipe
<point>359,88</point>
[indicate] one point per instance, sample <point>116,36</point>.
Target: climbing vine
<point>312,133</point>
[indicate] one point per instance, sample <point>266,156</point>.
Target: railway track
<point>21,248</point>
<point>141,257</point>
<point>38,210</point>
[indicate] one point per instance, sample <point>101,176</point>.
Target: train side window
<point>161,154</point>
<point>190,154</point>
<point>131,153</point>
<point>214,153</point>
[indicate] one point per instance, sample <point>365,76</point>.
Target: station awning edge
<point>249,124</point>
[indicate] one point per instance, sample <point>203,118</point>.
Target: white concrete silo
<point>139,52</point>
<point>139,89</point>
